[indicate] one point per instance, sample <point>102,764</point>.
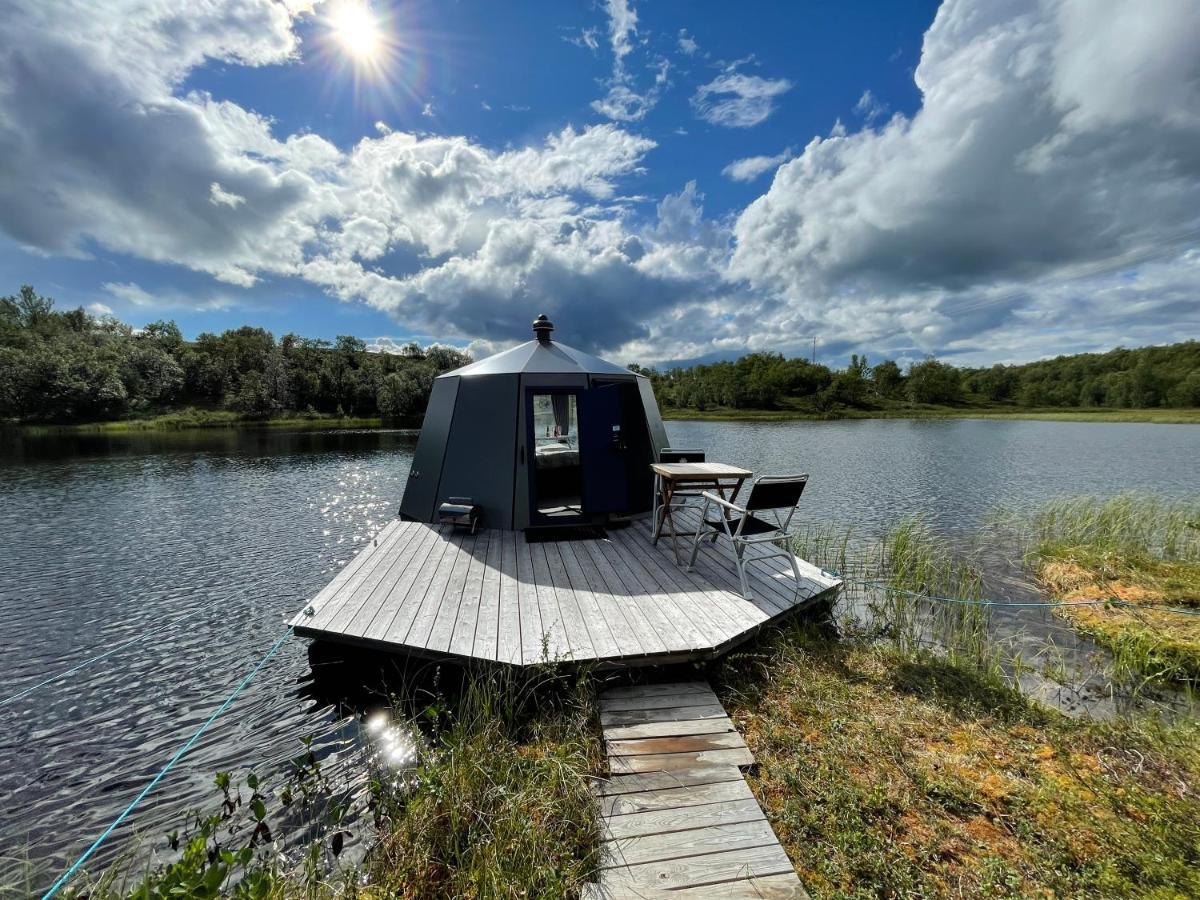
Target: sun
<point>357,29</point>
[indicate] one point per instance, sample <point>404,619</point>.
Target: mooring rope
<point>67,875</point>
<point>99,656</point>
<point>1043,604</point>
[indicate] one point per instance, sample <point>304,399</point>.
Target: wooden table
<point>707,476</point>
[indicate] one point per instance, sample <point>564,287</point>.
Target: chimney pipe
<point>542,327</point>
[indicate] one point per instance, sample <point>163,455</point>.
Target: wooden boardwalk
<point>678,819</point>
<point>500,597</point>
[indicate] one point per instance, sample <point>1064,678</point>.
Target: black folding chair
<point>745,526</point>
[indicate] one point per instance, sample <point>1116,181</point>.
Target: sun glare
<point>357,29</point>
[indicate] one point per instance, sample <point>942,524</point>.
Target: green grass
<point>1141,550</point>
<point>917,411</point>
<point>502,806</point>
<point>888,772</point>
<point>190,418</point>
<point>498,805</point>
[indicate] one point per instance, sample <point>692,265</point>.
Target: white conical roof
<point>540,357</point>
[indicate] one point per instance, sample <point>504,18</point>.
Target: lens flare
<point>357,29</point>
<point>376,47</point>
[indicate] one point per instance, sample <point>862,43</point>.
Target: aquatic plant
<point>1140,553</point>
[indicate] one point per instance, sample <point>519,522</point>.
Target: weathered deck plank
<point>511,632</point>
<point>693,829</point>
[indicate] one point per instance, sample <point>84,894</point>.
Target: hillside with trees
<point>1145,378</point>
<point>70,366</point>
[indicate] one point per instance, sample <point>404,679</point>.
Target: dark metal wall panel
<point>481,450</point>
<point>654,422</point>
<point>421,491</point>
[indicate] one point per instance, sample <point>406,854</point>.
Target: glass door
<point>555,474</point>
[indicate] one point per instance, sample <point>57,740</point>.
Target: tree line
<point>69,366</point>
<point>1143,378</point>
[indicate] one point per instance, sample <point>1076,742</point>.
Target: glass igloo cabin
<point>541,435</point>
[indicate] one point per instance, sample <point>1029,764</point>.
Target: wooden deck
<point>499,597</point>
<point>677,818</point>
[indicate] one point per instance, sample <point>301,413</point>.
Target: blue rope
<point>66,876</point>
<point>95,659</point>
<point>1014,603</point>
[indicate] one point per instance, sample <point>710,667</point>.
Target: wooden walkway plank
<point>691,709</point>
<point>659,701</point>
<point>666,762</point>
<point>700,871</point>
<point>685,822</point>
<point>657,690</point>
<point>656,781</point>
<point>676,727</point>
<point>692,842</point>
<point>675,743</point>
<point>675,797</point>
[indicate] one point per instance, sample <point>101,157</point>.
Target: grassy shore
<point>1156,416</point>
<point>185,419</point>
<point>888,773</point>
<point>190,418</point>
<point>1140,550</point>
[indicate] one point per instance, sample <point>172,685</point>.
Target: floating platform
<point>504,596</point>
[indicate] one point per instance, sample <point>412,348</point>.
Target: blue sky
<point>671,181</point>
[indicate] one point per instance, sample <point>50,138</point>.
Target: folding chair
<point>744,526</point>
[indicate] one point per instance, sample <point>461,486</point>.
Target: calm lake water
<point>104,538</point>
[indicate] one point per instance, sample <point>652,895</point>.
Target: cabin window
<point>558,478</point>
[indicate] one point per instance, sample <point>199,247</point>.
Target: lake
<point>103,538</point>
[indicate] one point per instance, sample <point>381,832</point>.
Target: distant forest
<point>1129,379</point>
<point>69,366</point>
<point>73,367</point>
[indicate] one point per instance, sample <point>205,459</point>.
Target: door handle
<point>522,454</point>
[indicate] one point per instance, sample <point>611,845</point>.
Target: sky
<point>980,180</point>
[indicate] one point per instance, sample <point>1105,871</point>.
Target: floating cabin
<point>543,452</point>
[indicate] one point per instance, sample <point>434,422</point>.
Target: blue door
<point>602,451</point>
